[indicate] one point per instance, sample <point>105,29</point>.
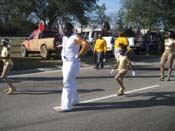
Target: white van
<point>135,45</point>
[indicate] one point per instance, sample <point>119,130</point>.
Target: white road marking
<point>113,95</point>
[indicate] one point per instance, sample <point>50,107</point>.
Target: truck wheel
<point>44,52</point>
<point>24,52</point>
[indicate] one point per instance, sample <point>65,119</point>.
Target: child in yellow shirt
<point>123,64</point>
<point>8,64</point>
<point>119,43</point>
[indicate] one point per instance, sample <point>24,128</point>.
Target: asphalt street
<point>149,104</point>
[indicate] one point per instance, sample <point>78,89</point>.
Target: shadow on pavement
<point>36,92</point>
<point>45,92</point>
<point>154,99</point>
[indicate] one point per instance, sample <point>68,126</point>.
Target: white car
<point>135,45</point>
<point>110,44</point>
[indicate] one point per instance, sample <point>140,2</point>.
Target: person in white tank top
<point>71,54</point>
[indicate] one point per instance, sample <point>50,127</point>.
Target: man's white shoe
<point>58,109</point>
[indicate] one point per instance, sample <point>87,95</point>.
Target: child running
<point>122,66</point>
<point>8,64</point>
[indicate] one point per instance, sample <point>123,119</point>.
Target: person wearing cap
<point>120,41</point>
<point>100,48</point>
<point>8,64</point>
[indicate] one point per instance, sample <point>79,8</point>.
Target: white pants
<point>69,93</point>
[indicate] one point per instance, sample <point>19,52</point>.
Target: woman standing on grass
<point>8,64</point>
<point>168,55</point>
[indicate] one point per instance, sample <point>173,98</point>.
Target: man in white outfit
<point>71,54</point>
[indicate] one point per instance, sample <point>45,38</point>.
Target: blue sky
<point>111,5</point>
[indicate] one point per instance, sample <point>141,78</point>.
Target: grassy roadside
<point>34,60</point>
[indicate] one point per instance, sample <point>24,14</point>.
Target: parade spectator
<point>147,42</point>
<point>168,55</point>
<point>151,42</point>
<point>100,49</point>
<point>160,42</point>
<point>119,42</point>
<point>7,65</point>
<point>71,54</point>
<point>106,29</point>
<point>93,45</point>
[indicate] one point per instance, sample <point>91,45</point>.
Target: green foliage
<point>98,16</point>
<point>17,16</point>
<point>149,13</point>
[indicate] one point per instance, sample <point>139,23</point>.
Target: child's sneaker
<point>120,92</point>
<point>9,91</point>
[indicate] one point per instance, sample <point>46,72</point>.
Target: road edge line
<point>113,95</point>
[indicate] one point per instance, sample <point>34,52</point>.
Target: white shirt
<point>70,49</point>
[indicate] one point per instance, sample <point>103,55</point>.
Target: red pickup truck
<point>44,43</point>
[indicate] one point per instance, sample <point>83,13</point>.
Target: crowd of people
<point>71,53</point>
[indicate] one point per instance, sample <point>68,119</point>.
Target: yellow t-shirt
<point>121,40</point>
<point>4,53</point>
<point>100,45</point>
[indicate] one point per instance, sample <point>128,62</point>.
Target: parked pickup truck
<point>44,43</point>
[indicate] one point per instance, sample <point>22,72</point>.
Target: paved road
<point>149,104</point>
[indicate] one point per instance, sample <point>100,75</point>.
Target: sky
<point>111,5</point>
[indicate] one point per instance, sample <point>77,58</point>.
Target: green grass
<point>15,44</point>
<point>34,60</point>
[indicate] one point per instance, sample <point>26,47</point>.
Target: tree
<point>166,11</point>
<point>120,20</point>
<point>13,17</point>
<point>149,12</point>
<point>97,16</point>
<point>101,16</point>
<point>50,11</point>
<point>15,13</point>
